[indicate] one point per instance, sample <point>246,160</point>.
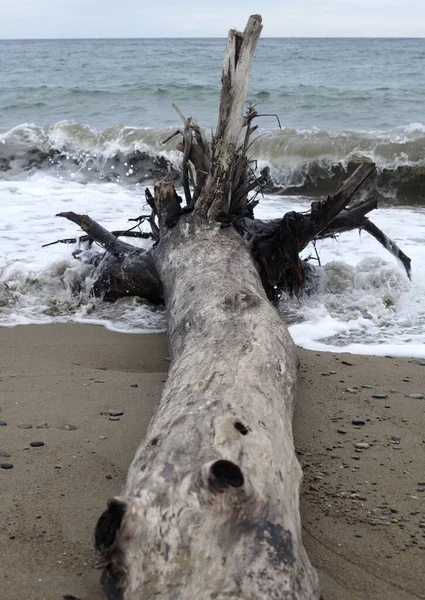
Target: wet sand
<point>361,516</point>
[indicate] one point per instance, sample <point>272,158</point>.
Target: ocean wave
<point>302,161</point>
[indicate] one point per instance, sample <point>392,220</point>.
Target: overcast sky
<point>198,18</point>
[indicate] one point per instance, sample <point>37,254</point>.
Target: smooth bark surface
<point>210,507</point>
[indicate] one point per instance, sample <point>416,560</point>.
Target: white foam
<point>364,303</point>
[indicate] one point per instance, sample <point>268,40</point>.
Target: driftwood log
<point>210,509</point>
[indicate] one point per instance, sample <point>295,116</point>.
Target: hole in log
<point>154,441</point>
<point>241,428</point>
<point>224,473</point>
<point>108,525</point>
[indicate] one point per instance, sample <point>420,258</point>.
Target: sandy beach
<point>363,509</point>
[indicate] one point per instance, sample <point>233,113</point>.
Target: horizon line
<point>270,37</point>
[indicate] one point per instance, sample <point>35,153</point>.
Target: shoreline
<point>361,516</point>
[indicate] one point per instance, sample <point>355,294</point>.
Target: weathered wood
<point>277,252</point>
<point>123,270</point>
<point>389,245</point>
<point>236,69</point>
<point>210,507</point>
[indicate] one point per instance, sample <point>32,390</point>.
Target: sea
<point>82,126</point>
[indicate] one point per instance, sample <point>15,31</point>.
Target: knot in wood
<point>241,300</point>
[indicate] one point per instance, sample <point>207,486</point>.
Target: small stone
<point>358,422</point>
<point>325,374</point>
<point>69,427</point>
<point>345,362</point>
<point>43,425</point>
<point>362,446</point>
<point>355,457</point>
<point>4,454</point>
<point>406,380</point>
<point>36,444</point>
<point>6,465</point>
<point>99,381</point>
<point>393,391</point>
<point>115,413</point>
<point>24,426</point>
<point>380,395</point>
<point>340,430</point>
<point>396,447</point>
<point>134,385</point>
<point>62,466</point>
<point>415,396</point>
<point>351,390</point>
<point>102,437</point>
<point>3,423</point>
<point>332,372</point>
<point>114,418</point>
<point>366,387</point>
<point>419,482</point>
<point>108,477</point>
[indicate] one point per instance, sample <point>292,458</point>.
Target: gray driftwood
<point>210,507</point>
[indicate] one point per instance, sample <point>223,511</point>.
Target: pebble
<point>345,362</point>
<point>6,465</point>
<point>406,380</point>
<point>421,482</point>
<point>24,426</point>
<point>69,427</point>
<point>3,423</point>
<point>108,477</point>
<point>115,413</point>
<point>134,385</point>
<point>114,418</point>
<point>4,454</point>
<point>36,444</point>
<point>62,466</point>
<point>358,422</point>
<point>366,387</point>
<point>43,425</point>
<point>325,374</point>
<point>355,457</point>
<point>351,390</point>
<point>362,446</point>
<point>102,437</point>
<point>380,396</point>
<point>415,396</point>
<point>396,447</point>
<point>341,431</point>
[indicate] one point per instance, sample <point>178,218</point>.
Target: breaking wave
<point>312,161</point>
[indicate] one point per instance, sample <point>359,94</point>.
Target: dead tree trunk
<point>210,507</point>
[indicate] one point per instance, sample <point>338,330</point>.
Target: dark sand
<point>361,517</point>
